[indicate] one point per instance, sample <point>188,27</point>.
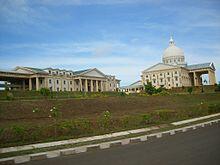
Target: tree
<point>149,88</point>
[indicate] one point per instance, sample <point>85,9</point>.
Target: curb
<point>75,141</point>
<point>105,145</point>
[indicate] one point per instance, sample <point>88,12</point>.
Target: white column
<point>91,85</point>
<point>212,79</point>
<point>37,83</point>
<point>101,86</point>
<point>30,84</point>
<point>80,84</point>
<point>86,85</point>
<point>97,87</point>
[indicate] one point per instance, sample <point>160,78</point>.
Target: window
<point>161,80</point>
<point>168,79</point>
<point>57,81</point>
<point>56,72</point>
<point>147,76</point>
<point>71,89</point>
<point>57,89</point>
<point>64,82</point>
<point>175,72</point>
<point>64,73</point>
<point>154,81</point>
<point>70,74</point>
<point>50,81</point>
<point>177,84</point>
<point>110,84</point>
<point>161,74</point>
<point>70,82</point>
<point>41,81</point>
<point>176,78</point>
<point>168,73</point>
<point>153,75</point>
<point>49,72</point>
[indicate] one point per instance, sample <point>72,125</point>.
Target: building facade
<point>89,80</point>
<point>174,71</point>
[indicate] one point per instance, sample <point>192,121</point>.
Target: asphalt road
<point>196,147</point>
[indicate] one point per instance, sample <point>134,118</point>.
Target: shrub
<point>214,108</point>
<point>105,120</point>
<point>190,89</point>
<point>9,96</point>
<point>217,88</point>
<point>45,92</point>
<point>149,88</point>
<point>146,119</point>
<point>122,94</point>
<point>18,132</point>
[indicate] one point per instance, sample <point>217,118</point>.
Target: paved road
<point>197,147</point>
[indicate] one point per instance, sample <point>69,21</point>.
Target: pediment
<point>94,73</point>
<point>23,70</point>
<point>160,66</point>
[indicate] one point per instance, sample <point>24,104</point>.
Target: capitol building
<point>173,71</point>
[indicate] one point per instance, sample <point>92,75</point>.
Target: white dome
<point>173,55</point>
<point>172,50</point>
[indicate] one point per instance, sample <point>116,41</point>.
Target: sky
<point>119,37</point>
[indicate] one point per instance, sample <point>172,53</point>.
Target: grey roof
<point>36,70</point>
<point>81,71</point>
<point>136,84</point>
<point>200,66</point>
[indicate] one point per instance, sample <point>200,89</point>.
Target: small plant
<point>18,132</point>
<point>45,92</point>
<point>217,88</point>
<point>105,120</point>
<point>55,114</point>
<point>190,89</point>
<point>146,119</point>
<point>9,96</point>
<point>149,88</point>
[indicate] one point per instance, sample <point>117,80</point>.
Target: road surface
<point>196,147</point>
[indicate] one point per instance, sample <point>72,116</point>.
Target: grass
<point>86,117</point>
<point>161,129</point>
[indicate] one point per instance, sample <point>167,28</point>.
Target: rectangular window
<point>176,78</point>
<point>50,81</point>
<point>70,82</point>
<point>64,82</point>
<point>154,81</point>
<point>57,81</point>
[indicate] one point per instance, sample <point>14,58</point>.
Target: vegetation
<point>217,88</point>
<point>190,89</point>
<point>150,89</point>
<point>33,121</point>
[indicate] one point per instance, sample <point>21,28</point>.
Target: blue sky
<point>119,37</point>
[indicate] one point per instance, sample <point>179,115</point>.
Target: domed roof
<point>172,50</point>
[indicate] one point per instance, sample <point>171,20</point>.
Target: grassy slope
<point>20,111</point>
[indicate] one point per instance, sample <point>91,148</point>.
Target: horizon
<point>118,37</point>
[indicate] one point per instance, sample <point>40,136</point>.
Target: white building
<point>89,80</point>
<point>174,71</point>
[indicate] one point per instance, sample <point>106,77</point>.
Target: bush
<point>9,96</point>
<point>45,92</point>
<point>149,88</point>
<point>190,89</point>
<point>214,108</point>
<point>217,88</point>
<point>105,120</point>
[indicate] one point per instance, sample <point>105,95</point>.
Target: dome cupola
<point>173,55</point>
